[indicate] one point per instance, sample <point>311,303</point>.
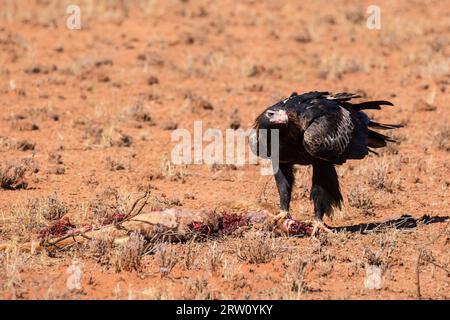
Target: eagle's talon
<point>281,217</point>
<point>319,225</point>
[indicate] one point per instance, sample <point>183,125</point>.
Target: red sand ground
<point>237,56</point>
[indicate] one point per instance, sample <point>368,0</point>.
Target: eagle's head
<point>274,117</point>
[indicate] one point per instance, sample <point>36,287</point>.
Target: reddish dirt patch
<point>107,97</point>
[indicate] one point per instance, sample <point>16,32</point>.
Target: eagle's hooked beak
<point>279,117</point>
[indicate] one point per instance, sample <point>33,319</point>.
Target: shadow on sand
<point>404,222</point>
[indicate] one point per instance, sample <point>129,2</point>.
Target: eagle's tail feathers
<point>384,126</point>
<point>371,105</point>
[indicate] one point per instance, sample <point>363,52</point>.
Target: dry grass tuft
<point>128,257</point>
<point>13,144</point>
<point>25,222</point>
<point>379,178</point>
<point>139,113</point>
<point>55,158</point>
<point>303,35</point>
<point>12,264</point>
<point>107,205</point>
<point>115,165</point>
<point>373,258</point>
<point>197,289</point>
<point>213,257</point>
<point>198,103</point>
<point>295,278</point>
<point>116,138</point>
<point>335,68</point>
<point>234,121</point>
<point>102,250</point>
<point>189,256</point>
<point>393,148</point>
<point>24,125</point>
<point>360,198</point>
<point>257,247</point>
<point>173,171</point>
<point>12,174</point>
<point>442,138</point>
<point>355,15</point>
<point>106,138</point>
<point>51,208</point>
<point>167,257</point>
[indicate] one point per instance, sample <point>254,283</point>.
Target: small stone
<point>169,125</point>
<point>152,80</point>
<point>422,105</point>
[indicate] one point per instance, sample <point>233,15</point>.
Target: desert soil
<point>91,110</point>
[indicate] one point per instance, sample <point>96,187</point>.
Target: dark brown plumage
<point>322,130</point>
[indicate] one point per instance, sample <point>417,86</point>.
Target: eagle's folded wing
<point>336,136</point>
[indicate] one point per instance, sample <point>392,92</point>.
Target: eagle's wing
<point>334,133</point>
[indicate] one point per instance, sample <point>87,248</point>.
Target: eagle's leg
<point>284,178</point>
<point>325,193</point>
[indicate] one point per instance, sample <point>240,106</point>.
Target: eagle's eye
<point>277,116</point>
